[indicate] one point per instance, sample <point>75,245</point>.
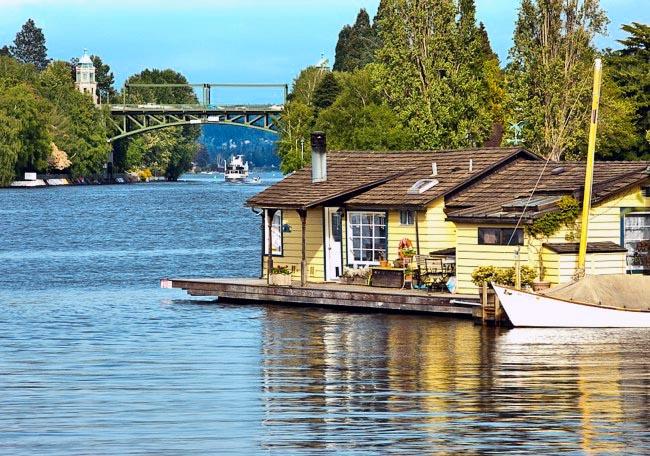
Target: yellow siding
<point>470,255</point>
<point>292,245</point>
<point>434,232</point>
<point>604,225</point>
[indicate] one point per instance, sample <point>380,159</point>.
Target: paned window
<point>366,237</point>
<point>276,234</point>
<point>407,217</point>
<point>637,228</point>
<point>500,236</point>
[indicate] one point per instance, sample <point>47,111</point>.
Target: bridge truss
<point>135,119</point>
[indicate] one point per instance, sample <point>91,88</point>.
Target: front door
<point>333,243</point>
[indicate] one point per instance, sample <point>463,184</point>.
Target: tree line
<point>47,125</point>
<point>422,75</point>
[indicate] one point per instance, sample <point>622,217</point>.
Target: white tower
<point>85,80</point>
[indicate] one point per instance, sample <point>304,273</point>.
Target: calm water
<point>96,359</point>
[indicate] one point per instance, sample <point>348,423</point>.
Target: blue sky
<point>231,41</point>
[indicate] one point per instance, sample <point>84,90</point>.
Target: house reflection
<point>335,380</point>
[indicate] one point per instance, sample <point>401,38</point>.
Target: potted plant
<point>408,252</point>
<point>408,274</point>
<point>355,276</point>
<point>280,275</point>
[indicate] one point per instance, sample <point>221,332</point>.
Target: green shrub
<point>503,276</point>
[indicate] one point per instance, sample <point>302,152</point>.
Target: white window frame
<point>407,216</point>
<point>366,247</point>
<point>630,243</point>
<point>277,245</point>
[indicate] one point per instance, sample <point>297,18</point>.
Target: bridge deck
<point>330,295</point>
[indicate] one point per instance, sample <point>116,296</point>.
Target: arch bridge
<point>139,118</point>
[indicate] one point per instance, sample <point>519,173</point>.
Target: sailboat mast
<point>591,152</point>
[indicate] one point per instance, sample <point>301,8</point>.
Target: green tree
<point>167,151</point>
<point>327,91</point>
<point>9,148</point>
<point>105,80</point>
<point>29,46</point>
<point>77,126</point>
<point>356,45</point>
<point>27,130</point>
<point>295,128</point>
<point>549,76</point>
<point>629,69</point>
<point>305,85</point>
<point>202,157</point>
<point>433,71</point>
<point>359,119</point>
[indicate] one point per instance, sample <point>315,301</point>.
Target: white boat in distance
<point>528,309</point>
<point>236,170</point>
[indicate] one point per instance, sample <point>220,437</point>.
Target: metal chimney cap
<point>318,140</point>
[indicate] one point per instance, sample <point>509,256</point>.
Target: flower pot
<point>280,279</point>
<point>383,263</point>
<point>539,286</point>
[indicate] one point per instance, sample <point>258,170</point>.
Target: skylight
<point>422,186</point>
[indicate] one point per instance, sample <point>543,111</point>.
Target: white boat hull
<point>534,310</point>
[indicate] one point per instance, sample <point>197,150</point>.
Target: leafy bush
<point>503,276</point>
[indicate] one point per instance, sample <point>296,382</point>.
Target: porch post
<point>417,231</point>
<point>269,243</point>
<point>303,260</point>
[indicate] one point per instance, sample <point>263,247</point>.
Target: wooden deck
<point>331,295</point>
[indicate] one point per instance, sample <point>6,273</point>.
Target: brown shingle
<point>485,200</point>
<point>592,247</point>
<point>381,179</point>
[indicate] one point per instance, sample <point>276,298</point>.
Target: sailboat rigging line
<point>529,200</point>
<point>564,125</point>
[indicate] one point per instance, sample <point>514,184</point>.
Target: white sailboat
<point>603,301</point>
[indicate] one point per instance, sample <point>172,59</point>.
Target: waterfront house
<point>353,208</point>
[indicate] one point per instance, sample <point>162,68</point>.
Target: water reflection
<point>383,383</point>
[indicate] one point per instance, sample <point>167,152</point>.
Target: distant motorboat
<point>256,180</point>
<point>236,170</point>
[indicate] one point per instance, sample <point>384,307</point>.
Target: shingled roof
<point>382,179</point>
<point>501,196</point>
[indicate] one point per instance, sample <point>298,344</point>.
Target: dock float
<point>330,295</point>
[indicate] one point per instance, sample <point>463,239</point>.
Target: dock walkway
<point>330,295</point>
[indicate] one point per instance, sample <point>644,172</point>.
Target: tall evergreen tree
<point>434,71</point>
<point>29,46</point>
<point>550,73</point>
<point>629,68</point>
<point>327,91</point>
<point>357,44</point>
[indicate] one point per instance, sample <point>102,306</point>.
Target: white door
<point>333,243</point>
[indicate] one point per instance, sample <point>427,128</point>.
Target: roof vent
<point>422,186</point>
<point>558,170</point>
<point>434,169</point>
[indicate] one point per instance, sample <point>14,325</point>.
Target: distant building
<point>85,77</point>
